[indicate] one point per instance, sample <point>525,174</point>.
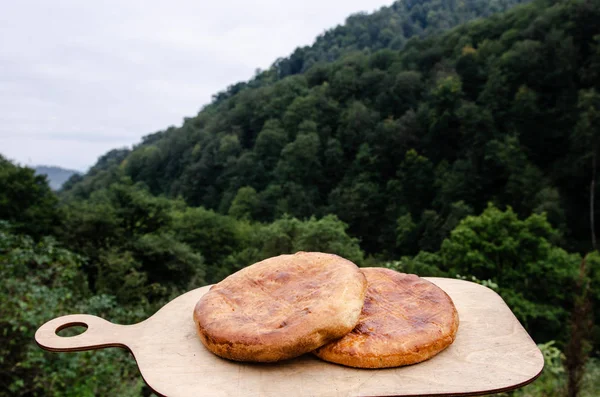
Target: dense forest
<point>392,141</point>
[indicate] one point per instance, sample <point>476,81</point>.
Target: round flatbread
<point>405,320</point>
<point>281,307</point>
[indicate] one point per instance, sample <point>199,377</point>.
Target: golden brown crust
<point>405,320</point>
<point>281,307</point>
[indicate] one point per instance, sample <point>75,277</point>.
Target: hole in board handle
<point>71,329</point>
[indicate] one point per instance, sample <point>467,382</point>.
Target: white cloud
<point>80,78</point>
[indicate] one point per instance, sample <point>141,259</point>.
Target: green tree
<point>145,164</point>
<point>301,109</point>
<point>328,234</point>
<point>415,181</point>
<point>126,234</point>
<point>27,201</point>
<point>587,140</point>
<point>515,254</point>
<point>402,93</point>
<point>169,262</point>
<point>355,122</point>
<point>440,115</point>
<point>300,160</point>
<point>270,142</point>
<point>229,148</point>
<point>39,281</point>
<point>244,204</point>
<point>214,235</point>
<point>358,203</point>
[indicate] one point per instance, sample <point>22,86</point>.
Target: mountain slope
<point>389,27</point>
<point>57,176</point>
<point>401,144</point>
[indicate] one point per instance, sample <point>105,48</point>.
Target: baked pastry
<point>405,320</point>
<point>282,307</point>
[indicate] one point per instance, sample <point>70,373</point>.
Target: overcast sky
<point>78,78</point>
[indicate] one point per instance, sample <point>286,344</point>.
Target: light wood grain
<point>492,352</point>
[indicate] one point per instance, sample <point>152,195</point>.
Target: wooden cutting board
<point>492,353</point>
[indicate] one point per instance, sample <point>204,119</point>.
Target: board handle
<point>99,334</point>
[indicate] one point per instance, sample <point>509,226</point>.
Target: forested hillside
<point>400,144</point>
<point>470,153</point>
<point>390,27</point>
